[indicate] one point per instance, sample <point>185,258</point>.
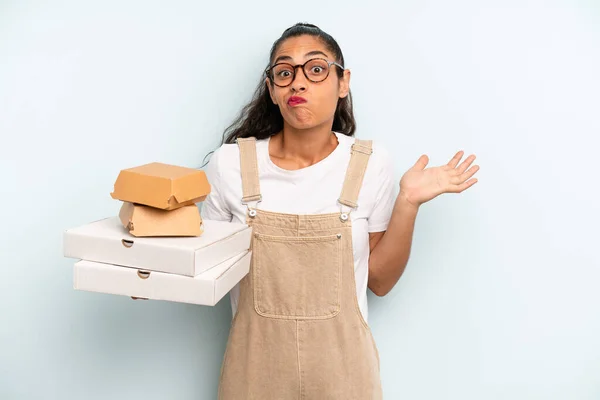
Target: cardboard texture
<point>145,221</point>
<point>205,289</point>
<point>107,241</point>
<point>163,186</point>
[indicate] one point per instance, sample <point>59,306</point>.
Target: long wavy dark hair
<point>261,118</point>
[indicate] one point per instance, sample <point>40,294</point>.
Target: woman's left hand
<point>419,184</point>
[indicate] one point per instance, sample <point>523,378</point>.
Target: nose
<point>299,83</point>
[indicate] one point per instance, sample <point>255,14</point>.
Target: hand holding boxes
<point>159,247</point>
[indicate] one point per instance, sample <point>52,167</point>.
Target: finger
<point>459,179</point>
<point>465,164</point>
<point>454,161</point>
<point>463,186</point>
<point>470,172</point>
<point>421,162</point>
<point>467,184</point>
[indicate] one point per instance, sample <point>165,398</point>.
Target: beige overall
<point>298,332</point>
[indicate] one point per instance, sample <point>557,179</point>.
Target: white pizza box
<point>107,241</point>
<point>205,289</point>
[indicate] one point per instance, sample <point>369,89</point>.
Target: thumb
<point>421,162</point>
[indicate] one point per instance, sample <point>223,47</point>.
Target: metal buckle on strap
<point>255,200</point>
<point>250,199</point>
<point>345,215</point>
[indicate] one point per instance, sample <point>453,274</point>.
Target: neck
<point>303,147</point>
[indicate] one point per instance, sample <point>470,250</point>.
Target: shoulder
<point>380,159</point>
<point>379,149</point>
<point>382,162</point>
<point>224,162</point>
<point>380,169</point>
<point>225,155</point>
<point>381,155</point>
<point>222,166</point>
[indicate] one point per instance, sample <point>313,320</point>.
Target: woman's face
<point>320,98</point>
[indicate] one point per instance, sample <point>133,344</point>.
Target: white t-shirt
<point>311,190</point>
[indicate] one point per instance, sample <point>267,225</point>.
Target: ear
<point>345,84</point>
<point>270,88</point>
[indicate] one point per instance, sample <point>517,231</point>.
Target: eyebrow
<point>309,54</point>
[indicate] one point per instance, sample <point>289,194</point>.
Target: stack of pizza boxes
<point>158,247</point>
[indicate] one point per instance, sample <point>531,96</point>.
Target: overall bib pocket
<point>297,277</point>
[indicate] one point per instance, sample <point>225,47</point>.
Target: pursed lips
<point>295,100</point>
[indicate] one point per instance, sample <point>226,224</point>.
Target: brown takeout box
<point>145,221</point>
<point>163,186</point>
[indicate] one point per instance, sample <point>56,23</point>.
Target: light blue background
<point>500,298</point>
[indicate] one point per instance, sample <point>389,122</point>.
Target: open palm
<point>419,184</point>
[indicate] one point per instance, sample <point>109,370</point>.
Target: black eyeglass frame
<point>269,71</point>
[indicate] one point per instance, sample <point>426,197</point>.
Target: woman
<point>326,225</point>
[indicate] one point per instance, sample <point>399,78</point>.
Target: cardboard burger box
<point>107,241</point>
<point>162,186</point>
<point>205,289</point>
<point>145,221</point>
<point>160,199</point>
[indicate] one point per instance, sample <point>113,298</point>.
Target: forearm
<point>390,255</point>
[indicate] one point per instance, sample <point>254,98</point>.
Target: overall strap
<point>361,151</point>
<point>249,170</point>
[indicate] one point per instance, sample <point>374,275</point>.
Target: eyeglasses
<point>316,70</point>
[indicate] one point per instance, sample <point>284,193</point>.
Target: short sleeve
<point>386,192</point>
<point>214,206</point>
